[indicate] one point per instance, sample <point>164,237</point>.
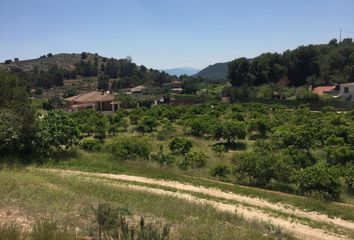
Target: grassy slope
<point>69,201</point>
<point>102,162</point>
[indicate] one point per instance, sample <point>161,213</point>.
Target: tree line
<point>322,64</point>
<point>123,72</point>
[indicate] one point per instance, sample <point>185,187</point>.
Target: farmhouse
<point>97,100</point>
<point>346,91</point>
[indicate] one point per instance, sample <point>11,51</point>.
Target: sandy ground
<point>15,215</point>
<point>253,211</point>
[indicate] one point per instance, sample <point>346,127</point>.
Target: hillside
<point>63,60</point>
<point>217,71</point>
<point>50,71</point>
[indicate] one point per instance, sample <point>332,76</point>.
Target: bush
<point>147,124</point>
<point>202,126</point>
<point>220,171</point>
<point>348,174</point>
<point>319,179</point>
<point>131,147</point>
<point>56,130</point>
<point>163,158</point>
<point>261,167</point>
<point>114,224</point>
<point>230,131</point>
<point>193,159</point>
<point>90,144</point>
<point>180,145</point>
<point>218,148</point>
<point>166,131</point>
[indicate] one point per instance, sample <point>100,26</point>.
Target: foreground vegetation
<point>296,151</point>
<point>73,204</point>
<point>292,150</point>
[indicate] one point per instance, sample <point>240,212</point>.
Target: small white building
<point>346,91</point>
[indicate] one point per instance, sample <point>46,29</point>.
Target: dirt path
<point>255,212</point>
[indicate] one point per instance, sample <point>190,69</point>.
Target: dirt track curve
<point>251,208</point>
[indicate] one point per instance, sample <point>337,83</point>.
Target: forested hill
<point>51,70</point>
<point>312,64</point>
<point>217,71</point>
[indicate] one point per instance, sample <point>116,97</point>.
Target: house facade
<point>97,100</point>
<point>346,91</point>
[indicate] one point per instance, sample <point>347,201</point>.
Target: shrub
<point>261,167</point>
<point>299,137</point>
<point>163,158</point>
<point>230,131</point>
<point>180,145</point>
<point>348,174</point>
<point>218,148</point>
<point>340,154</point>
<point>131,147</point>
<point>56,130</point>
<point>319,179</point>
<point>220,171</point>
<point>166,131</point>
<point>108,218</point>
<point>90,144</point>
<point>193,159</point>
<point>113,224</point>
<point>202,126</point>
<point>147,124</point>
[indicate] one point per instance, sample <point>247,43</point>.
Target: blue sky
<point>169,33</point>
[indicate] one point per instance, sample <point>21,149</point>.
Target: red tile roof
<point>320,90</point>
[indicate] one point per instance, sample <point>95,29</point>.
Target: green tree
<point>17,116</point>
<point>260,167</point>
<point>239,72</point>
<point>129,148</point>
<point>56,130</point>
<point>69,93</point>
<point>319,179</point>
<point>147,124</point>
<point>180,145</point>
<point>103,83</point>
<point>230,131</point>
<point>163,158</point>
<point>220,171</point>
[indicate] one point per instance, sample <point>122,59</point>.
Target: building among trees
<point>347,91</point>
<point>98,100</point>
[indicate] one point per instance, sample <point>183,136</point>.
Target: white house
<point>346,91</point>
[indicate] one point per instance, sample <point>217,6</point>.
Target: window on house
<point>346,90</point>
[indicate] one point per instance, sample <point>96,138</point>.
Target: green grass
<point>69,201</point>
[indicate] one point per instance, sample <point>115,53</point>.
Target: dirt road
<point>252,209</point>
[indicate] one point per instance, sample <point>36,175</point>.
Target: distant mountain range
<point>217,71</point>
<point>180,71</point>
